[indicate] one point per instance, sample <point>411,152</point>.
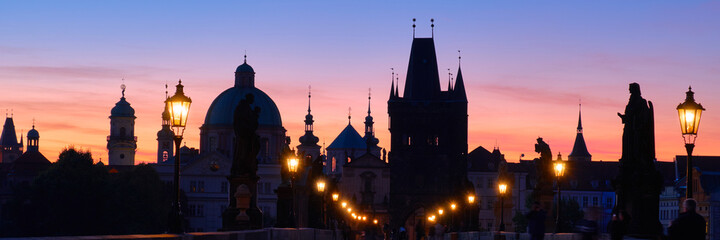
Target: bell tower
<point>122,141</point>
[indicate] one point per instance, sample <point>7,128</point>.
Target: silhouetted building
<point>429,129</point>
<point>165,139</point>
<point>579,151</point>
<point>308,142</point>
<point>122,141</point>
<point>11,148</point>
<point>347,146</point>
<point>365,182</point>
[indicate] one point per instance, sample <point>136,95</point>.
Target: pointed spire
<point>369,95</point>
<point>397,85</point>
<point>459,88</point>
<point>579,127</point>
<point>309,95</point>
<point>449,81</point>
<point>392,83</point>
<point>580,151</point>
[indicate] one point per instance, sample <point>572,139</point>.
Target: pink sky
<point>525,68</point>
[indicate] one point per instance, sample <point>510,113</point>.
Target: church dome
<point>33,133</point>
<point>245,68</point>
<point>223,107</point>
<point>122,109</point>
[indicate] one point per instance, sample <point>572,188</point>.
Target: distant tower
<point>579,151</point>
<point>370,139</point>
<point>308,142</point>
<point>122,141</point>
<point>32,140</point>
<point>11,149</point>
<point>165,139</point>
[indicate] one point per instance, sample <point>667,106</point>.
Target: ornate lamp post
<point>453,206</point>
<point>502,188</point>
<point>470,205</point>
<point>320,183</point>
<point>689,113</point>
<point>293,164</point>
<point>178,106</point>
<point>559,167</point>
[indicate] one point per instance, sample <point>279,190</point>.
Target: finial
<point>432,27</point>
<point>122,86</point>
<point>12,113</point>
<point>179,80</point>
<point>413,27</point>
<point>166,90</point>
<point>349,114</point>
<point>33,123</point>
<point>459,57</point>
<point>6,113</point>
<point>245,57</point>
<point>369,94</point>
<point>309,94</point>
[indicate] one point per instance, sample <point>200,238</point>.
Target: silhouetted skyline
<point>525,66</point>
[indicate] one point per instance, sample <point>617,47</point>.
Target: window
<point>489,225</point>
<point>192,211</point>
<point>200,210</point>
<point>608,203</point>
<point>595,201</point>
<point>480,182</point>
<point>201,186</point>
<point>585,201</point>
<point>267,188</point>
<point>193,186</point>
<point>489,204</point>
<point>165,156</point>
<point>224,187</point>
<point>260,188</point>
<point>490,183</point>
<point>123,132</point>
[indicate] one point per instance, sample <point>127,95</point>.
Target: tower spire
<point>579,127</point>
<point>369,94</point>
<point>459,89</point>
<point>309,95</point>
<point>580,151</point>
<point>392,83</point>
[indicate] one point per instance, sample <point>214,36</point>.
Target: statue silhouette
<point>247,143</point>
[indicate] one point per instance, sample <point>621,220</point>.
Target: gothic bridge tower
<point>429,143</point>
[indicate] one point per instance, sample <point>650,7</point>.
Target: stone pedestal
<point>242,213</point>
<point>285,217</point>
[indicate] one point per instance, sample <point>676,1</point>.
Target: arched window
<point>123,132</point>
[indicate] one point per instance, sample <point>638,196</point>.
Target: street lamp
<point>320,183</point>
<point>343,204</point>
<point>502,188</point>
<point>335,197</point>
<point>178,106</point>
<point>559,167</point>
<point>293,163</point>
<point>689,113</point>
<point>470,210</point>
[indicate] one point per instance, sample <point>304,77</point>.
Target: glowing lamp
<point>178,106</point>
<point>502,188</point>
<point>689,113</point>
<point>559,167</point>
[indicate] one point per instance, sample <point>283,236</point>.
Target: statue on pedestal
<point>242,212</point>
<point>639,184</point>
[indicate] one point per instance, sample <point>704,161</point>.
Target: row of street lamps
<point>178,107</point>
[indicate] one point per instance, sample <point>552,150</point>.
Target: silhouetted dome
<point>222,109</point>
<point>245,68</point>
<point>33,133</point>
<point>122,109</point>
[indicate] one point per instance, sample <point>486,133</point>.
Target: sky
<point>526,65</point>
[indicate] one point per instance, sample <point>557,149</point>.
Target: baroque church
<point>203,173</point>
